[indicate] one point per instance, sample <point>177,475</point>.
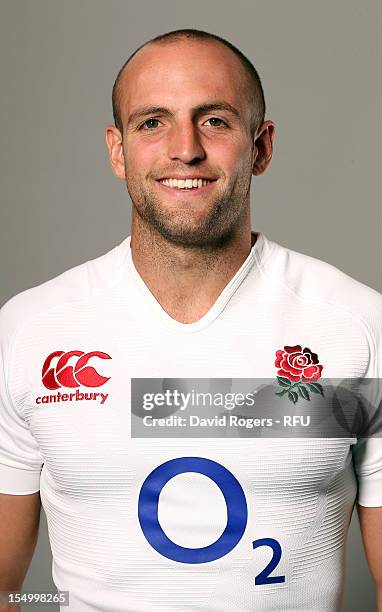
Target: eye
<point>217,119</point>
<point>147,122</point>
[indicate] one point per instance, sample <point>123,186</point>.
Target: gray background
<point>60,204</point>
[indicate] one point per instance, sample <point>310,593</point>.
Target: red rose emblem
<point>296,363</point>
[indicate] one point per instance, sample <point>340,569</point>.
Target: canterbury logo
<point>72,376</point>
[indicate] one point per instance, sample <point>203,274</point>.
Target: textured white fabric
<point>79,453</point>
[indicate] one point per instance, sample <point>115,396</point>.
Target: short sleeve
<point>367,452</point>
<point>20,459</point>
<point>367,455</point>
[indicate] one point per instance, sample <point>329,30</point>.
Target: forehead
<point>183,74</point>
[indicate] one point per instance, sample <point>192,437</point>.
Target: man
<point>185,523</point>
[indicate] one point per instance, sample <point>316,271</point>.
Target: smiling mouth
<point>190,184</point>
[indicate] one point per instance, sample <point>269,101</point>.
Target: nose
<point>184,144</point>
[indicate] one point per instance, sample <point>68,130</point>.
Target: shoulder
<point>312,279</point>
<point>79,283</point>
<point>339,310</point>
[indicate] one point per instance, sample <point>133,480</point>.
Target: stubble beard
<point>211,230</point>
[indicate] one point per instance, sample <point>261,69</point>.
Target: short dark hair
<point>258,112</point>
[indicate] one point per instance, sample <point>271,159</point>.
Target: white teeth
<point>185,183</point>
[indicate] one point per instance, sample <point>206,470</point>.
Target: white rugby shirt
<point>78,340</point>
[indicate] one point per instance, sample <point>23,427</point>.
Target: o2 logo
<point>237,515</point>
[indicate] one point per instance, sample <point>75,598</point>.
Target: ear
<point>263,149</point>
<point>115,147</point>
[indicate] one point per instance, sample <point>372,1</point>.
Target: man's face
<point>185,140</point>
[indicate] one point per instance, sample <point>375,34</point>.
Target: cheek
<point>141,157</point>
<point>232,158</point>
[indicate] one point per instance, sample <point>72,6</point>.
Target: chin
<point>194,237</point>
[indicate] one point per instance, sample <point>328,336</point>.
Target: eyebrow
<point>143,111</point>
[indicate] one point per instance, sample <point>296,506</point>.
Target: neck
<point>186,281</point>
